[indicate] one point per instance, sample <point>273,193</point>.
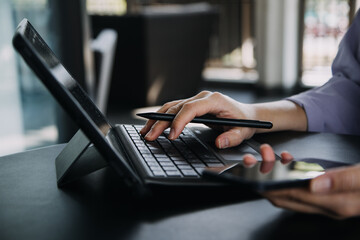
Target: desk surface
<point>97,207</point>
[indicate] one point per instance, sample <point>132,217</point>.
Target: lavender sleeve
<point>335,106</point>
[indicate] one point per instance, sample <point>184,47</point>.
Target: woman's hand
<point>285,115</point>
<point>335,193</point>
<point>203,103</point>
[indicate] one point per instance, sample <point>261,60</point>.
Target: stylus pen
<point>206,119</point>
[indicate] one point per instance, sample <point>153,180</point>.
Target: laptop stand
<point>78,158</point>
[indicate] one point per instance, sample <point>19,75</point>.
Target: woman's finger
<point>286,157</point>
<point>153,128</point>
<point>267,153</point>
<point>233,137</point>
<point>249,160</point>
<point>209,103</point>
<point>293,205</point>
<point>338,205</point>
<point>148,125</point>
<point>337,180</point>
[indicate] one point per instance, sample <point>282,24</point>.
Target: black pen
<point>207,119</point>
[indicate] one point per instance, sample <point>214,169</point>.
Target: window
<point>325,23</point>
<point>26,107</point>
<point>110,7</point>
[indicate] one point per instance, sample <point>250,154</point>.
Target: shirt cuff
<point>315,117</point>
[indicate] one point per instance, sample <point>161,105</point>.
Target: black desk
<point>97,207</point>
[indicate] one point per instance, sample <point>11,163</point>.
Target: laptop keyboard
<point>183,157</point>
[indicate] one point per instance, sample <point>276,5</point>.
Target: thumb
<point>232,137</point>
<point>337,180</point>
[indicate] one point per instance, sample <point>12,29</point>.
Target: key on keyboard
<point>183,157</point>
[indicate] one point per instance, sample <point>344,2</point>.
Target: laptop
<point>138,162</point>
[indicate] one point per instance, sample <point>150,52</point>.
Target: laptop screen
<point>72,97</point>
<point>65,79</point>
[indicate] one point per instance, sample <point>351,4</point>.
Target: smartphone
<point>264,176</point>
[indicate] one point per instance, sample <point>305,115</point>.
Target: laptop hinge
<point>77,159</point>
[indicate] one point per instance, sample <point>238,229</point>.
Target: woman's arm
<point>284,114</point>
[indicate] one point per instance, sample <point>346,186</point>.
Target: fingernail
<point>321,185</point>
<point>171,134</point>
<point>148,135</point>
<point>223,143</point>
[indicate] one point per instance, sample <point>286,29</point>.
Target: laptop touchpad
<point>208,136</point>
<point>237,153</point>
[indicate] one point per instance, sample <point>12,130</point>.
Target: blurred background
<point>131,54</point>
